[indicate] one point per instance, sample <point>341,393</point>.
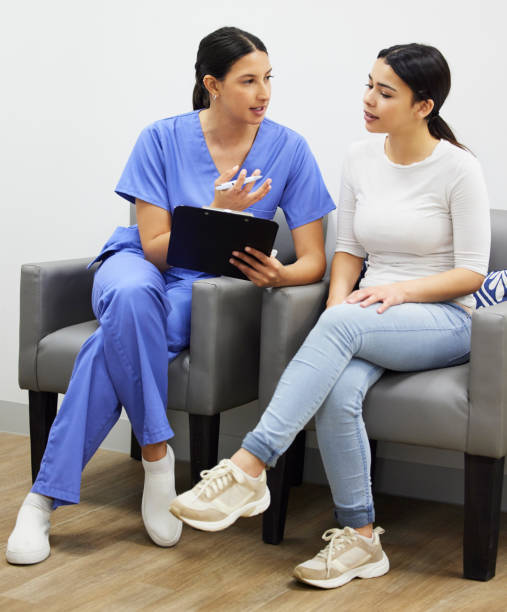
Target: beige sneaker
<point>348,555</point>
<point>223,495</point>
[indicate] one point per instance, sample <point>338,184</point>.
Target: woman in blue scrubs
<point>144,306</point>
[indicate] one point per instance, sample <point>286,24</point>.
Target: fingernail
<point>247,249</point>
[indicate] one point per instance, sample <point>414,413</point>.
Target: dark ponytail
<point>216,54</point>
<point>425,70</point>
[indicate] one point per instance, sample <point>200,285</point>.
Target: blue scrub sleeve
<point>305,197</point>
<point>144,175</point>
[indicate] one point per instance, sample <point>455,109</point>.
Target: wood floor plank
<point>102,558</point>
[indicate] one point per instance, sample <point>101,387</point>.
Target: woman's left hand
<point>262,270</point>
<point>388,295</point>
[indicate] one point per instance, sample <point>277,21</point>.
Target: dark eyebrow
<point>244,76</point>
<point>383,84</point>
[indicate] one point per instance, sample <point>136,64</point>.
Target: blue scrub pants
<point>144,320</point>
<point>342,357</point>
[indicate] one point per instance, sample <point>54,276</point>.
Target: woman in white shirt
<point>415,203</point>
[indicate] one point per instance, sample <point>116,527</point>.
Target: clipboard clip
<point>228,210</point>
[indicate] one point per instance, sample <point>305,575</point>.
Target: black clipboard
<point>204,238</point>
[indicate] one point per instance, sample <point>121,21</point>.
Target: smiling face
<point>245,91</point>
<point>389,105</point>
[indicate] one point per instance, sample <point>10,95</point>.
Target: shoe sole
<point>153,536</point>
<point>27,558</point>
<point>371,570</point>
<point>251,509</point>
<point>165,543</point>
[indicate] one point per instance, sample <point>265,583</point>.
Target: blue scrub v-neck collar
<point>205,144</point>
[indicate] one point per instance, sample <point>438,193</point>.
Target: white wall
<point>81,78</point>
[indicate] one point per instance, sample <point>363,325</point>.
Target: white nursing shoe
<point>29,540</point>
<point>159,491</point>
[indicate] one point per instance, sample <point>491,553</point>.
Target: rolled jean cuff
<point>355,518</point>
<point>260,449</point>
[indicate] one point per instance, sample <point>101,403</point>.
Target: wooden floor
<point>102,559</point>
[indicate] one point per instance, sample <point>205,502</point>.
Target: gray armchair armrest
<point>53,295</point>
<point>487,433</point>
<point>288,315</point>
<point>224,344</point>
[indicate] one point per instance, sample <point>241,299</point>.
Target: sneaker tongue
<point>332,534</point>
<point>329,536</point>
<point>335,537</point>
<point>214,480</point>
<point>216,472</point>
<point>322,554</point>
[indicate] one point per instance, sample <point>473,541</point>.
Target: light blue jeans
<point>342,357</point>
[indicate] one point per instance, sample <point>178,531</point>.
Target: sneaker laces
<point>339,539</point>
<point>218,478</point>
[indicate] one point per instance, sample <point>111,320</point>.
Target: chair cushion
<point>493,289</point>
<point>428,408</point>
<point>178,375</point>
<point>57,352</point>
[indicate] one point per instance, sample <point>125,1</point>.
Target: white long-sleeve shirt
<point>414,220</point>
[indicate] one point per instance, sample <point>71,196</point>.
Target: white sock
<point>29,541</point>
<point>160,466</point>
<point>255,478</point>
<point>162,527</point>
<point>42,502</point>
<point>366,538</point>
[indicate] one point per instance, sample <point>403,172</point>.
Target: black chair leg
<point>287,472</point>
<point>42,413</point>
<point>135,449</point>
<point>204,432</point>
<point>273,519</point>
<point>373,453</point>
<point>483,494</point>
<point>296,458</point>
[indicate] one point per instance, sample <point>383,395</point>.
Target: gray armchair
<point>461,408</point>
<point>219,371</point>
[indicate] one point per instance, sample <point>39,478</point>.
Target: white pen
<point>230,184</point>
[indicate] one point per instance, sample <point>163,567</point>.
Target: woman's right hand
<point>240,196</point>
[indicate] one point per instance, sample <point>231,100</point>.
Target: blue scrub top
<point>170,165</point>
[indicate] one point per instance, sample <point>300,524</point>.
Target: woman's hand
<point>389,295</point>
<point>240,196</point>
<point>262,270</point>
